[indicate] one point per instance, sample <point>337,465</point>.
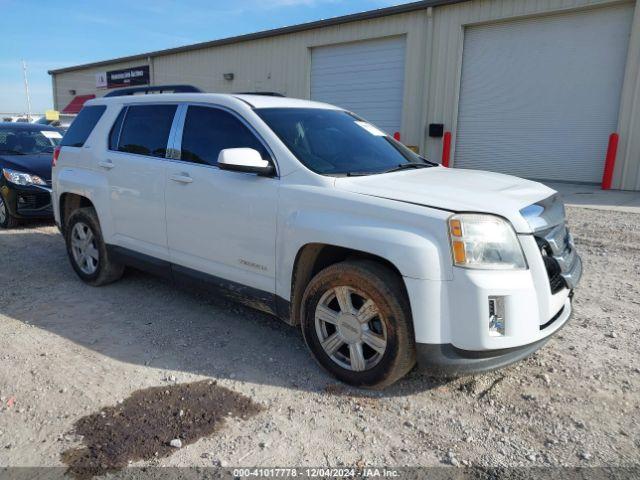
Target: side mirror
<point>245,160</point>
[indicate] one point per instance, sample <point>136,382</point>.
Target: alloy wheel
<point>350,328</point>
<point>84,248</point>
<point>3,211</point>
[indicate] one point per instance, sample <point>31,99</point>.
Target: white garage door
<point>540,97</point>
<point>364,77</point>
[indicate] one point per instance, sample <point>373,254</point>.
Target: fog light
<point>496,316</point>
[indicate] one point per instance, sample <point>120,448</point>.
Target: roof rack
<point>154,89</point>
<point>266,94</point>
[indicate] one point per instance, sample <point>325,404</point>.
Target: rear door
<point>135,165</point>
<point>219,222</point>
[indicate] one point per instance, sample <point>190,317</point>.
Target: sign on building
<point>101,80</point>
<point>127,77</point>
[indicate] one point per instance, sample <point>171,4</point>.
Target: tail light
<point>56,154</point>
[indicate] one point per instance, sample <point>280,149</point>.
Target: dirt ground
<point>70,354</point>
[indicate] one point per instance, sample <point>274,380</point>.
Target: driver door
<point>219,222</point>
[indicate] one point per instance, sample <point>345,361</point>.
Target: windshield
<point>22,141</point>
<point>335,142</point>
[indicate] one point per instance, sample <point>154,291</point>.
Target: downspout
<point>151,71</point>
<point>428,42</point>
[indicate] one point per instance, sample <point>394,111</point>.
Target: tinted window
<point>209,130</point>
<point>335,142</point>
<point>146,129</point>
<point>115,130</point>
<point>82,126</point>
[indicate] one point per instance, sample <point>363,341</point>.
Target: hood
<point>39,165</point>
<point>453,189</point>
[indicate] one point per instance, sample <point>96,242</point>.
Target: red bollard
<point>610,162</point>
<point>446,149</point>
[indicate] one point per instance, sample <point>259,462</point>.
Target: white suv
<point>306,211</point>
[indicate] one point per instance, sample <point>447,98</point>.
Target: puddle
<point>142,426</point>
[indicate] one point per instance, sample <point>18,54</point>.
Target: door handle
<point>182,178</point>
<point>108,164</point>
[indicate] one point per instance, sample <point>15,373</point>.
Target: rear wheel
<point>357,323</point>
<point>6,219</point>
<point>87,251</point>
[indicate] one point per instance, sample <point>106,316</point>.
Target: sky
<point>54,34</point>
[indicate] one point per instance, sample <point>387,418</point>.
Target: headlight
<point>21,178</point>
<point>485,242</point>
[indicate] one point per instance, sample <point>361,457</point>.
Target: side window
<point>146,129</point>
<point>114,135</point>
<point>208,130</point>
<point>82,126</point>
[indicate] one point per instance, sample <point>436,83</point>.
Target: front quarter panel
<point>413,238</point>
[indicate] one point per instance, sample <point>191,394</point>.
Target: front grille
<point>33,201</point>
<point>560,258</point>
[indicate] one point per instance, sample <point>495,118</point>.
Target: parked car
<point>16,119</point>
<point>63,121</point>
<point>25,163</point>
<point>309,212</point>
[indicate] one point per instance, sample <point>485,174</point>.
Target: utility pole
<point>26,89</point>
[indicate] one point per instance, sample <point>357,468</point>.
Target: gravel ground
<point>68,351</point>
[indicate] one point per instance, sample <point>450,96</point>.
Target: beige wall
<point>432,76</point>
<point>627,172</point>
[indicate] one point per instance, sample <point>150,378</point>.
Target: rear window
<point>146,129</point>
<point>82,126</point>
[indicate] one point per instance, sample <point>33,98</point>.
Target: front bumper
<point>28,201</point>
<point>445,360</point>
<point>452,318</point>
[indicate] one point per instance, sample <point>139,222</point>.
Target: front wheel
<point>356,321</point>
<point>6,219</point>
<point>87,251</point>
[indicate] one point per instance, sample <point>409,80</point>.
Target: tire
<point>6,219</point>
<point>374,363</point>
<point>97,268</point>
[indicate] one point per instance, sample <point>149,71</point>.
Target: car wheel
<point>87,251</point>
<point>356,321</point>
<point>6,219</point>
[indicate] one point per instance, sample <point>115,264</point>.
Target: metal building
<point>533,88</point>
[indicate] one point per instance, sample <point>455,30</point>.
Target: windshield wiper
<point>406,166</point>
<point>359,174</point>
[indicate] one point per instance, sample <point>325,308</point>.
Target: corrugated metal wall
<point>432,71</point>
<point>627,173</point>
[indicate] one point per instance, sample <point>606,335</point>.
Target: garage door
<point>364,77</point>
<point>540,97</point>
